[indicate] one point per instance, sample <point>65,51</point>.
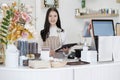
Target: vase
<point>11,56</point>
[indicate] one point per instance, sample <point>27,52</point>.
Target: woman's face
<point>53,17</point>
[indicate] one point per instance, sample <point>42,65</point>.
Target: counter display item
<point>77,63</point>
<point>89,56</point>
<point>26,47</point>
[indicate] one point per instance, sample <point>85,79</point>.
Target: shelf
<point>118,1</point>
<point>97,15</point>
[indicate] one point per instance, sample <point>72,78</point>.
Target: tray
<point>77,63</point>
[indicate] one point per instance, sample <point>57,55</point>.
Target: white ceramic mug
<point>45,54</point>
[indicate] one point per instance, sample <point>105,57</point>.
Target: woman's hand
<point>66,50</point>
<point>52,52</point>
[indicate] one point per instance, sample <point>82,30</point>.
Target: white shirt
<point>54,31</point>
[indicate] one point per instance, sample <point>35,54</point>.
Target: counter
<point>98,71</point>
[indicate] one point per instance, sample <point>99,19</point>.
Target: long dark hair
<point>45,32</point>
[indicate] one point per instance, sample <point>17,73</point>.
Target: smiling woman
<point>53,36</point>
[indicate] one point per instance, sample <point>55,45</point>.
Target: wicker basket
<point>58,63</point>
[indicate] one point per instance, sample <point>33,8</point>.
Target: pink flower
<point>25,35</point>
<point>16,16</point>
<point>25,16</point>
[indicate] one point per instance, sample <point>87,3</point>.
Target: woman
<point>53,36</point>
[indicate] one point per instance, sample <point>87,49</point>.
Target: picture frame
<point>50,3</point>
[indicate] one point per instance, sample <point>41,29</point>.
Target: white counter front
<point>99,71</point>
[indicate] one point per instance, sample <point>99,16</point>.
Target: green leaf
<point>3,31</point>
<point>8,16</point>
<point>6,20</point>
<point>8,12</point>
<point>5,23</point>
<point>2,35</point>
<point>3,41</point>
<point>4,27</point>
<point>12,14</point>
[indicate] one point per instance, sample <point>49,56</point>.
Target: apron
<point>53,42</point>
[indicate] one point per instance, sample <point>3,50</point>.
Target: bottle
<point>85,47</point>
<point>22,58</point>
<point>83,3</point>
<point>77,12</point>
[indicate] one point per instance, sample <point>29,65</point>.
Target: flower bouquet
<point>13,24</point>
<point>12,28</point>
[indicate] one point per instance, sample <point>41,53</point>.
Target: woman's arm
<point>63,40</point>
<point>63,37</point>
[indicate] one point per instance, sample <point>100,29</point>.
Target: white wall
<point>72,25</point>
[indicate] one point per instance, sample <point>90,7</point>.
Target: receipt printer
<point>89,56</point>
